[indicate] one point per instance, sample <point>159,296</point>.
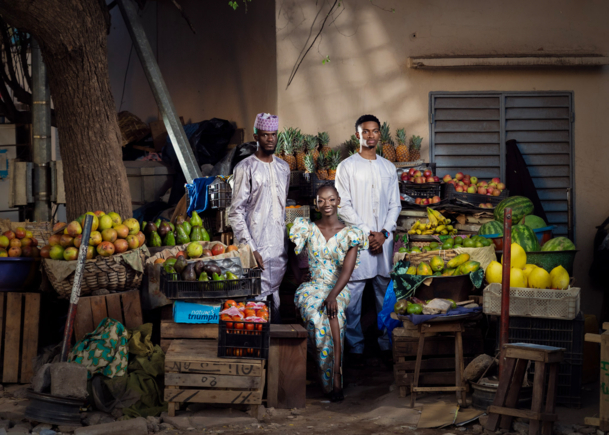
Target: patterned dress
<point>325,262</point>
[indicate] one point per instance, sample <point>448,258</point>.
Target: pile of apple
<point>18,243</point>
<point>109,235</point>
<point>427,201</point>
<point>468,184</point>
<point>415,176</point>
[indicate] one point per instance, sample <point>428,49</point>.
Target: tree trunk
<point>72,37</point>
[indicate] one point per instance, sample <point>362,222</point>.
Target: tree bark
<point>72,36</point>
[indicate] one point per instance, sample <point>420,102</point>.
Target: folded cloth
<point>417,319</point>
<point>197,194</point>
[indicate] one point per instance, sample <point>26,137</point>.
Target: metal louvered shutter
<point>468,132</point>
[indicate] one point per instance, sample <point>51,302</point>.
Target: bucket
<point>544,234</point>
<point>485,390</point>
<point>19,274</point>
<point>550,259</point>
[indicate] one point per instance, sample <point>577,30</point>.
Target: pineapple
<point>387,143</point>
<point>309,163</point>
<point>415,147</point>
<point>352,145</point>
<point>324,140</point>
<point>288,155</point>
<point>299,150</point>
<point>280,145</point>
<point>379,150</point>
<point>333,161</point>
<point>311,145</point>
<point>322,170</point>
<point>402,153</point>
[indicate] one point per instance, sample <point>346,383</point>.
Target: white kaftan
<point>370,200</point>
<point>257,214</point>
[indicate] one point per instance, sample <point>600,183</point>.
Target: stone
<point>41,382</point>
<point>40,427</point>
<point>153,424</point>
<point>477,428</point>
<point>68,429</point>
<point>586,430</point>
<point>48,432</point>
<point>14,411</point>
<point>96,417</point>
<point>521,428</point>
<point>2,431</point>
<point>69,380</point>
<point>482,420</point>
<point>135,426</point>
<point>21,393</point>
<point>270,411</point>
<point>18,430</point>
<point>5,424</point>
<point>296,411</point>
<point>476,368</point>
<point>166,426</point>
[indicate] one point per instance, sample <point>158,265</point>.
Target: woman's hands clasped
<point>331,307</point>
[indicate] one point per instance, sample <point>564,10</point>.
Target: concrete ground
<point>371,406</point>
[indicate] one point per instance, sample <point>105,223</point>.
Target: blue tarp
<point>197,194</point>
<point>384,317</point>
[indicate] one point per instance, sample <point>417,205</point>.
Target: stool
<point>431,328</point>
<point>287,368</point>
<point>515,360</point>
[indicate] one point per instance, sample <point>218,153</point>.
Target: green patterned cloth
<point>104,351</point>
<point>405,285</point>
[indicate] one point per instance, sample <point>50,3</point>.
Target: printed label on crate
<point>188,312</point>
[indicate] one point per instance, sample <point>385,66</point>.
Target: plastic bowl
<point>544,234</point>
<point>497,240</point>
<point>19,273</point>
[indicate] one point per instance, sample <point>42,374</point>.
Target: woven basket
<point>110,273</point>
<point>416,259</point>
<point>40,230</point>
<point>291,214</point>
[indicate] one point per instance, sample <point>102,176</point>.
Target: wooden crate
<point>171,331</point>
<point>124,307</point>
<point>287,372</point>
<point>19,322</point>
<point>195,374</point>
<point>438,363</point>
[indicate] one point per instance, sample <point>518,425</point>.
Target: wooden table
<point>287,369</point>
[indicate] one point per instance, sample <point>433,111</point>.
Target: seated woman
<point>333,251</point>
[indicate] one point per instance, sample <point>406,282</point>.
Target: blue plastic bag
<point>384,317</point>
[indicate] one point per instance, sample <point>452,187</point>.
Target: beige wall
<point>226,70</point>
<point>368,47</point>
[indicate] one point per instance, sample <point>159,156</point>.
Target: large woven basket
<point>111,273</point>
<point>416,259</point>
<point>40,230</point>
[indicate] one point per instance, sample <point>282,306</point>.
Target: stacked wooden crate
<point>438,363</point>
<point>195,374</point>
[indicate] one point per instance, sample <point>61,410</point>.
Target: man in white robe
<point>370,199</point>
<point>257,212</point>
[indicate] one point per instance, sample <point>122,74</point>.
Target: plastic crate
<point>220,194</point>
<point>567,334</point>
<point>425,190</point>
<point>531,302</point>
<point>291,214</point>
<point>449,192</point>
<point>308,188</point>
<point>240,342</point>
<point>175,288</point>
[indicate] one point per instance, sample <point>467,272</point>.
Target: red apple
<point>20,233</point>
<point>447,178</point>
<point>466,182</point>
<point>26,242</point>
<point>10,234</point>
<point>44,252</point>
<point>427,173</point>
<point>471,189</point>
<point>425,201</point>
<point>482,190</point>
<point>14,252</point>
<point>436,199</point>
<point>26,251</point>
<point>418,174</point>
<point>496,192</point>
<point>496,180</point>
<point>417,200</point>
<point>482,205</point>
<point>404,176</point>
<point>14,243</point>
<point>461,183</point>
<point>459,176</point>
<point>489,205</point>
<point>493,185</point>
<point>482,184</point>
<point>411,172</point>
<point>207,253</point>
<point>459,188</point>
<point>436,179</point>
<point>218,249</point>
<point>500,186</point>
<point>66,240</point>
<point>430,179</point>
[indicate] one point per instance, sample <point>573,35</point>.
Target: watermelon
<point>558,244</point>
<point>492,227</point>
<point>525,237</point>
<point>520,206</point>
<point>533,222</point>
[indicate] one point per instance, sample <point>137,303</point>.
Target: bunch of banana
<point>437,224</point>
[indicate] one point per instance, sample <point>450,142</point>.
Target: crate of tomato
<point>244,330</point>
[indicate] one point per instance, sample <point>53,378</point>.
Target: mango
<point>436,263</point>
<point>469,267</point>
<point>457,261</point>
<point>448,272</point>
<point>424,269</point>
<point>411,270</point>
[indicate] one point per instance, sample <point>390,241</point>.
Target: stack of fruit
<point>244,319</point>
<point>163,233</point>
<point>450,243</point>
<point>459,265</point>
<point>527,275</point>
<point>525,223</point>
<point>177,267</point>
<point>19,243</point>
<point>464,183</point>
<point>416,176</point>
<point>109,235</point>
<point>436,224</point>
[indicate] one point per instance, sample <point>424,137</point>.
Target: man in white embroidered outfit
<point>257,212</point>
<point>370,199</point>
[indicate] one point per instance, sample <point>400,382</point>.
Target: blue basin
<point>19,273</point>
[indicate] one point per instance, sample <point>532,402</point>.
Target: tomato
<point>239,325</point>
<point>237,319</point>
<point>259,327</point>
<point>249,326</point>
<point>249,312</point>
<point>229,303</point>
<point>265,316</point>
<point>241,304</point>
<point>181,254</point>
<point>225,317</point>
<point>229,325</point>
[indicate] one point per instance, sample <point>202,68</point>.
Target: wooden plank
<point>439,346</point>
<point>12,338</point>
<point>537,400</point>
<point>502,390</point>
<point>287,373</point>
<point>212,381</point>
<point>113,303</point>
<point>537,101</point>
<point>532,354</point>
<point>546,427</point>
<point>213,368</point>
<point>522,413</point>
<point>287,331</point>
<point>459,367</point>
<point>604,394</point>
<point>506,62</point>
<point>31,319</point>
<point>442,327</point>
<point>537,124</point>
<point>436,389</point>
<point>2,317</point>
<point>513,391</point>
<point>538,136</point>
<point>605,326</point>
<point>214,396</point>
<point>132,308</point>
<point>592,421</point>
<point>170,329</point>
<point>98,309</point>
<point>429,364</point>
<point>84,319</point>
<point>428,378</point>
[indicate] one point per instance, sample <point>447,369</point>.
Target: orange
<point>237,319</point>
<point>229,325</point>
<point>249,312</point>
<point>229,303</point>
<point>259,327</point>
<point>239,325</point>
<point>225,317</point>
<point>263,314</point>
<point>241,304</point>
<point>249,326</point>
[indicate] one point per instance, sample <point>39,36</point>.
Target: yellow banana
<point>415,226</point>
<point>419,232</point>
<point>440,228</point>
<point>427,232</point>
<point>440,217</point>
<point>432,217</point>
